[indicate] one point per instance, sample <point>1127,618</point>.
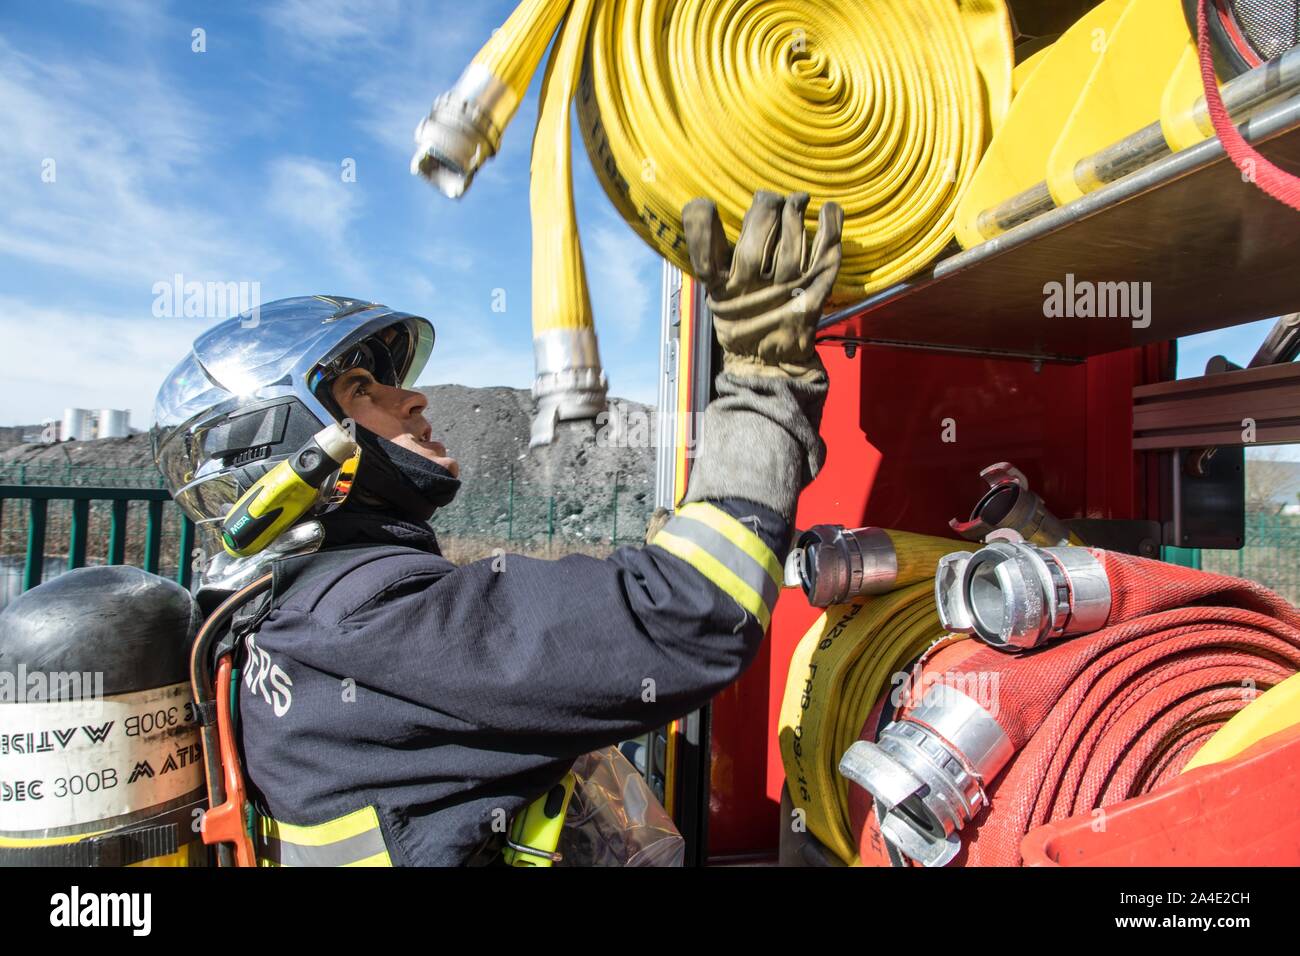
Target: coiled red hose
<point>1101,718</point>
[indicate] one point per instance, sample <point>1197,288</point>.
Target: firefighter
<point>394,706</point>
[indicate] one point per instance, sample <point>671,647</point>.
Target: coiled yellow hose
<point>879,105</point>
<point>840,669</point>
<point>843,665</point>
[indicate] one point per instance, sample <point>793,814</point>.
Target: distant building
<point>76,425</point>
<point>80,424</point>
<point>113,423</point>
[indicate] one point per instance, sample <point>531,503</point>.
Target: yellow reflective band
<point>331,831</point>
<point>354,839</point>
<point>717,573</point>
<point>737,533</point>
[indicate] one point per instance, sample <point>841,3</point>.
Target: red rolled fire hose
<point>1098,719</point>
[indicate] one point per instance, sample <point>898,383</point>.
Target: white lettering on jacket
<point>259,669</point>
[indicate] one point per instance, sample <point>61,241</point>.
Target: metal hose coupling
<point>928,771</point>
<point>835,564</point>
<point>463,130</point>
<point>1013,595</point>
<point>570,383</point>
<point>1010,504</point>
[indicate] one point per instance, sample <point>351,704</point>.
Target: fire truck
<point>966,366</point>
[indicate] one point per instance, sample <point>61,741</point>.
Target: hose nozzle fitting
<point>1015,596</point>
<point>1010,504</point>
<point>463,130</point>
<point>928,771</point>
<point>836,565</point>
<point>570,383</point>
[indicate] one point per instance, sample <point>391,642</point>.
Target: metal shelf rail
<point>1206,249</point>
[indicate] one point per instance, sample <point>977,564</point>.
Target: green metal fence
<point>69,473</point>
<point>510,509</point>
<point>45,522</point>
<point>1271,554</point>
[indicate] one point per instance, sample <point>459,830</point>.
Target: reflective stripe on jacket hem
<point>351,840</point>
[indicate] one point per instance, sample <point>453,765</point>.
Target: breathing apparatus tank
<point>100,758</point>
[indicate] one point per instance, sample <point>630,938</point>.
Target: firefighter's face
<point>393,413</point>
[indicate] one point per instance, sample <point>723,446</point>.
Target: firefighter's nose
<point>413,403</point>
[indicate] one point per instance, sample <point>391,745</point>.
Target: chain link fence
<point>1271,555</point>
<point>485,518</point>
<point>96,476</point>
<point>588,514</point>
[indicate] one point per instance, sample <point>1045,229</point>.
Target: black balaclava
<point>411,484</point>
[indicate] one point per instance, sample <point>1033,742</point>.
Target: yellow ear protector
<point>289,490</point>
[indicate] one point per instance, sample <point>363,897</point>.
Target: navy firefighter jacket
<point>402,705</point>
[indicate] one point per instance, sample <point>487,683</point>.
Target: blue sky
<point>226,165</point>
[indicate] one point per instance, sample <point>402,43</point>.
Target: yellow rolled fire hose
<point>841,667</point>
<point>882,106</point>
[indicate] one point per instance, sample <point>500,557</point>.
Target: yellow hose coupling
<point>463,130</point>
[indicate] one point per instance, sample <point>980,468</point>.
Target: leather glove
<point>767,296</point>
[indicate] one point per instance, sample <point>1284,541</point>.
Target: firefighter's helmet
<point>246,396</point>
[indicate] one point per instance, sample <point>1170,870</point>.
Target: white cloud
<point>1274,453</point>
<point>312,198</point>
<point>137,16</point>
<point>58,358</point>
<point>476,352</point>
<point>121,144</point>
<point>333,28</point>
<point>617,264</point>
<point>446,254</point>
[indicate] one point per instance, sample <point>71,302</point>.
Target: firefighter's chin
<point>435,451</point>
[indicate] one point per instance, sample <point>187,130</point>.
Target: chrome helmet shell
<point>243,400</point>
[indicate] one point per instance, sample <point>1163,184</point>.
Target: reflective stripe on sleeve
<point>730,555</point>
